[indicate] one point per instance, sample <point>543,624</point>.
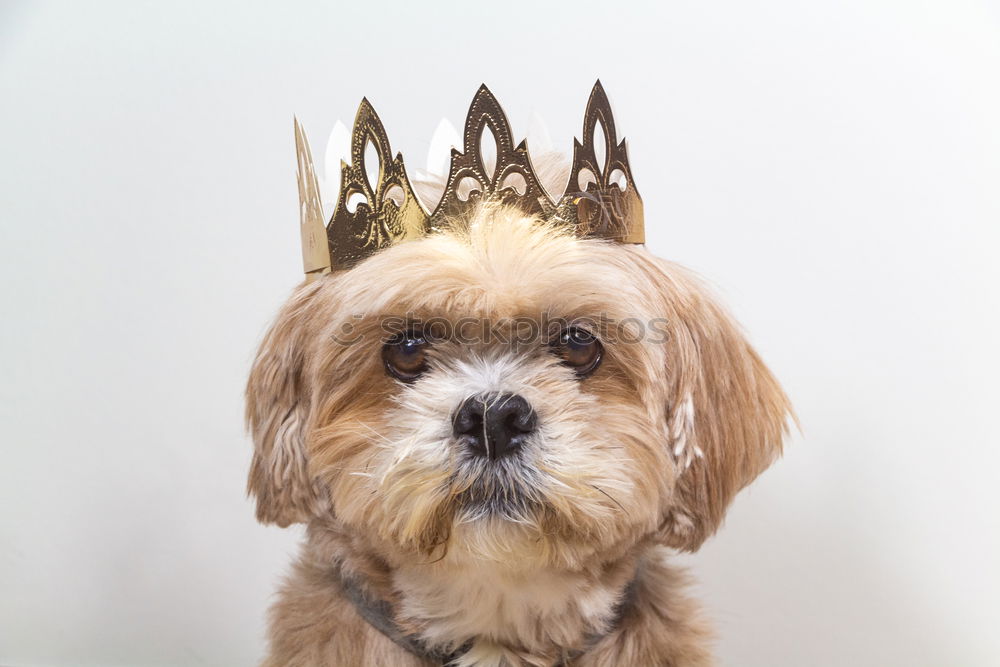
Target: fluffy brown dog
<point>475,495</point>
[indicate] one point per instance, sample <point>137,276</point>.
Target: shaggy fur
<point>523,560</point>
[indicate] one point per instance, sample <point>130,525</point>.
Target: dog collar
<point>378,613</point>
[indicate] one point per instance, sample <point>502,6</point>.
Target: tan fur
<point>647,452</point>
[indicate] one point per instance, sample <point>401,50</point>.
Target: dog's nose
<point>494,425</point>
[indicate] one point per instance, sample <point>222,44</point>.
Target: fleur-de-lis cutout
<point>511,179</point>
<point>601,198</point>
<point>372,216</point>
<point>315,249</point>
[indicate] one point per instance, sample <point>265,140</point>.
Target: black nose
<point>494,425</point>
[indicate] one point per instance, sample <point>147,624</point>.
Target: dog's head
<point>508,391</point>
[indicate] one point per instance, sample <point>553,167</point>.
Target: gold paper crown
<point>600,200</point>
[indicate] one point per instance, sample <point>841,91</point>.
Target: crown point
<point>355,234</point>
<point>538,133</point>
<point>338,147</point>
<point>484,91</point>
<point>443,141</point>
<point>315,251</point>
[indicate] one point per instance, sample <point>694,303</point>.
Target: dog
<point>477,496</point>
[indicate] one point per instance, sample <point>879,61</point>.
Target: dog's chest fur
<point>534,610</point>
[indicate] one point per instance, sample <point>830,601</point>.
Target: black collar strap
<point>378,613</point>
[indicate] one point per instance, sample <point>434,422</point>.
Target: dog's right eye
<point>405,356</point>
<point>580,350</point>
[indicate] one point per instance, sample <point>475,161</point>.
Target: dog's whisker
<point>609,497</point>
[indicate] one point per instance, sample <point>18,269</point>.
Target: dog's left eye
<point>579,350</point>
<point>405,356</point>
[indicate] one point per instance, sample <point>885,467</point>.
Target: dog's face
<point>509,392</point>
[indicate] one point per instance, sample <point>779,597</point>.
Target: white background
<point>833,167</point>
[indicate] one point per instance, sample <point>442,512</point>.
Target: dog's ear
<point>277,415</point>
<point>727,415</point>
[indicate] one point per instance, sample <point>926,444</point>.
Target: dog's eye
<point>405,356</point>
<point>579,350</point>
